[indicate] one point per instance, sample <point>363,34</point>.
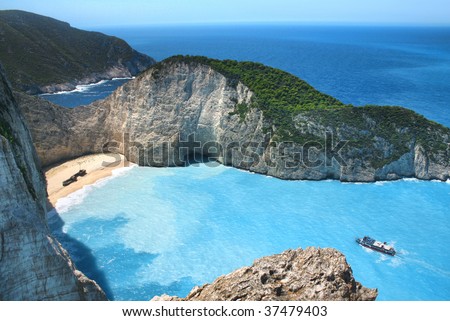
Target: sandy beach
<point>97,166</point>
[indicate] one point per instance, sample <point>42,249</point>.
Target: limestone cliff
<point>295,275</point>
<point>187,105</point>
<point>33,265</point>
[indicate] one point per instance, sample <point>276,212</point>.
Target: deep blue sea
<point>85,94</point>
<point>149,231</point>
<point>405,66</point>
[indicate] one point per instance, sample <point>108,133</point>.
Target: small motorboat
<point>373,244</point>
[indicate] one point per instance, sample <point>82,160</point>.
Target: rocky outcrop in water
<point>183,107</point>
<point>295,275</point>
<point>33,265</point>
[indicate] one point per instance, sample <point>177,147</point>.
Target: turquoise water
<point>149,231</point>
<point>153,231</point>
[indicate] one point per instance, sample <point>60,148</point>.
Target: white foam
<point>382,258</point>
<point>64,204</point>
<point>396,262</point>
<point>355,183</point>
<point>78,88</point>
<point>215,169</point>
<point>82,88</point>
<point>124,78</point>
<point>430,267</point>
<point>416,180</point>
<point>245,171</point>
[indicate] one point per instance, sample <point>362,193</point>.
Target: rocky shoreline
<point>95,78</point>
<point>179,109</point>
<point>45,55</point>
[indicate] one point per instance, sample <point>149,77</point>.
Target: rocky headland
<point>44,55</point>
<point>295,275</point>
<point>244,115</point>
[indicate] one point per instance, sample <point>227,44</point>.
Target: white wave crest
<point>123,78</point>
<point>66,203</point>
<point>78,88</point>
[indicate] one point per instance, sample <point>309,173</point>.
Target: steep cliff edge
<point>41,54</point>
<point>33,265</point>
<point>246,115</point>
<point>295,275</point>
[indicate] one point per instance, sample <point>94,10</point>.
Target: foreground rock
<point>33,265</point>
<point>185,106</point>
<point>295,275</point>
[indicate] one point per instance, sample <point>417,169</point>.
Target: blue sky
<point>89,13</point>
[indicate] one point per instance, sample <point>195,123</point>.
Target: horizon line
<point>262,24</point>
<point>338,23</point>
<point>271,23</point>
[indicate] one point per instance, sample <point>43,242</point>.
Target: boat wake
<point>425,265</point>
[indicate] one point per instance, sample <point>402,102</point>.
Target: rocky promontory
<point>33,265</point>
<point>44,55</point>
<point>245,115</point>
<point>295,275</point>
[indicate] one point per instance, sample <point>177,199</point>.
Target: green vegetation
<point>290,105</point>
<point>241,110</point>
<point>399,127</point>
<point>38,51</point>
<point>280,95</point>
<point>28,182</point>
<point>5,131</point>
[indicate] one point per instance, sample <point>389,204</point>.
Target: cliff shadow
<point>108,259</point>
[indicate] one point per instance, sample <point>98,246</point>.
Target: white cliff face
<point>33,265</point>
<point>173,109</point>
<point>169,106</point>
<point>160,106</point>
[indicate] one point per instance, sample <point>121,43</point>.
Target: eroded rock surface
<point>177,109</point>
<point>295,275</point>
<point>33,265</point>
